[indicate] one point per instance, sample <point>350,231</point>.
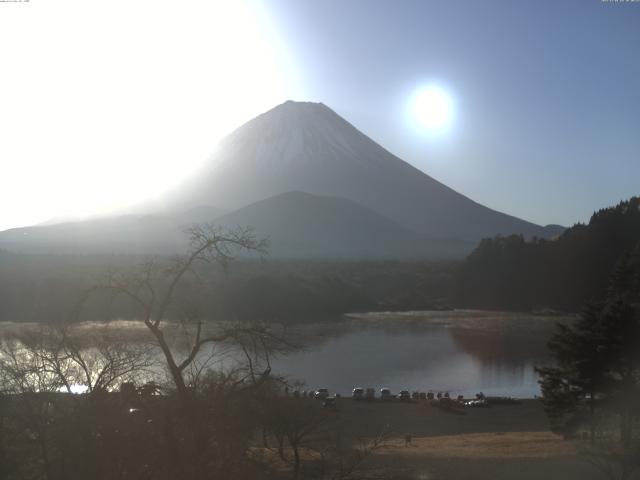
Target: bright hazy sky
<point>106,103</point>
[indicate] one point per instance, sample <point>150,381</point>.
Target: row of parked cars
<point>385,394</point>
<point>360,393</point>
<point>357,394</point>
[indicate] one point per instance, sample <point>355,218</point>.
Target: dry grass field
<point>496,445</point>
<point>504,442</point>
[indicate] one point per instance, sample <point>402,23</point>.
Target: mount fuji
<point>303,146</point>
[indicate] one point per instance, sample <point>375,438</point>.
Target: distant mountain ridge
<point>122,234</point>
<point>301,225</point>
<point>158,233</point>
<point>303,146</point>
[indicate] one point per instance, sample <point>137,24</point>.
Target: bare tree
<point>98,361</point>
<point>23,376</point>
<point>208,244</point>
<point>155,288</point>
<point>317,445</point>
<point>203,429</point>
<point>347,460</point>
<point>35,368</point>
<point>299,422</point>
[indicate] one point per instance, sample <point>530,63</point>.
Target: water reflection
<point>420,358</point>
<point>459,352</point>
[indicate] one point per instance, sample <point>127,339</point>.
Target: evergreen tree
<point>574,386</point>
<point>518,274</point>
<point>597,359</point>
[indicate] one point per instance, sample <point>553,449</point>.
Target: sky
<point>104,104</point>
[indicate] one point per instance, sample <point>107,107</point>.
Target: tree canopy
<point>513,273</point>
<point>596,374</point>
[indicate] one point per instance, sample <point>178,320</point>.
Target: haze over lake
<point>460,352</point>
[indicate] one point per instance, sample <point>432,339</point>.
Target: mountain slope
<point>308,147</point>
<point>298,224</point>
<point>123,234</point>
<point>301,225</point>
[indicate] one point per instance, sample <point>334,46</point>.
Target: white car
<point>321,393</point>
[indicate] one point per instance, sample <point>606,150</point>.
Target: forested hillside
<point>512,273</point>
<point>47,288</point>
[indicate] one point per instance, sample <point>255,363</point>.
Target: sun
<point>433,108</point>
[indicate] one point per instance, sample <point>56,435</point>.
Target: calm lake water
<point>496,356</point>
<point>462,352</point>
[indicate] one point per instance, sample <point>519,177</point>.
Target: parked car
<point>404,396</point>
<point>385,394</point>
<point>321,393</point>
<point>481,402</point>
<point>370,394</point>
<point>358,393</point>
<point>415,395</point>
<point>423,396</point>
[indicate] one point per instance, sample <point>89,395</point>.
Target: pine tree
<point>597,359</point>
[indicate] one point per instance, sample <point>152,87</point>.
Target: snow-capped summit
<point>295,135</point>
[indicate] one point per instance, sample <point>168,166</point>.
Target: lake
<point>462,352</point>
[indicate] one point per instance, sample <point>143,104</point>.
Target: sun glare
<point>124,99</point>
<point>432,108</point>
